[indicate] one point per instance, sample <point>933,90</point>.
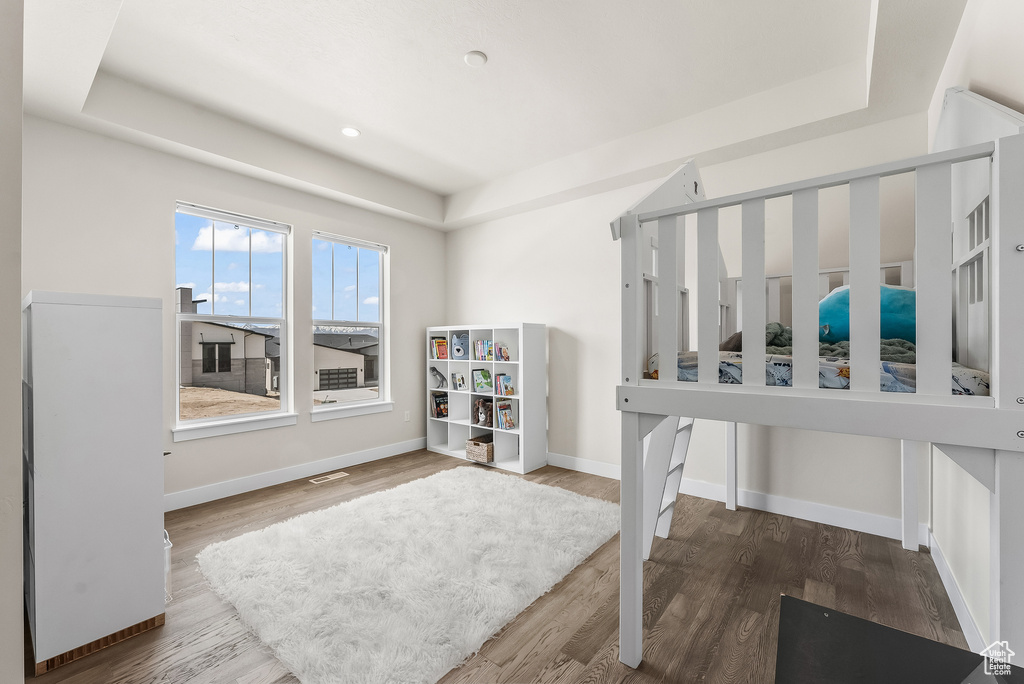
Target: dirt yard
<point>207,402</point>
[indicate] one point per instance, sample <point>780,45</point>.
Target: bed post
<point>631,542</point>
<point>730,466</point>
<point>1007,550</point>
<point>632,463</point>
<point>910,454</point>
<point>1007,511</point>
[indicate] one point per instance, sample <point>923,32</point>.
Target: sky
<point>238,270</point>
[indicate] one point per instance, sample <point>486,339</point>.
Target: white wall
<point>558,266</point>
<point>562,269</point>
<point>11,597</point>
<point>987,57</point>
<point>99,218</point>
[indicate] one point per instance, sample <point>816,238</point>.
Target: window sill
<point>231,427</point>
<point>320,413</point>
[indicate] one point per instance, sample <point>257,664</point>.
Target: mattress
<point>834,373</point>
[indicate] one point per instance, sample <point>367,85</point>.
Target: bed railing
<point>935,338</point>
<point>899,273</point>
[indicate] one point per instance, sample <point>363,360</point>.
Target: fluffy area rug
<point>404,584</point>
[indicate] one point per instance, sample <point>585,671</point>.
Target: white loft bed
<point>985,434</point>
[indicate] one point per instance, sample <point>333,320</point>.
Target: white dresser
<point>93,471</point>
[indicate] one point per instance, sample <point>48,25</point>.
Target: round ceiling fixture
<point>475,58</point>
<point>350,132</point>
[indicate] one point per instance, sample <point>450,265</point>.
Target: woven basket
<point>480,449</point>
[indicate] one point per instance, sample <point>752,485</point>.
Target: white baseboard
<point>967,624</point>
<point>219,490</point>
<point>847,518</point>
<point>585,465</point>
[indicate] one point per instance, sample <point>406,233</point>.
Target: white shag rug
<point>403,585</point>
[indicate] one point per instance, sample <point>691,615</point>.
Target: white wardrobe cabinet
<point>93,471</point>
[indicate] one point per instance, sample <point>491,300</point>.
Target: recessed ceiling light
<point>350,132</point>
<point>475,58</point>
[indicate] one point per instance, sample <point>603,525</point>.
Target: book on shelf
<point>439,346</point>
<point>438,404</point>
<point>501,352</point>
<point>458,381</point>
<point>503,385</point>
<point>504,418</point>
<point>482,380</point>
<point>484,350</point>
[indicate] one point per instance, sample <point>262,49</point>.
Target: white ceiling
<point>577,95</point>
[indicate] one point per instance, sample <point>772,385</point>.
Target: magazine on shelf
<point>501,352</point>
<point>482,380</point>
<point>458,381</point>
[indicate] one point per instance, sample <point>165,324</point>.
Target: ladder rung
<point>668,503</point>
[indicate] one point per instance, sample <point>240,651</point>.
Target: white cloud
<point>230,239</point>
<point>231,287</point>
<point>371,300</point>
<point>350,288</point>
<point>217,299</point>
<point>240,302</point>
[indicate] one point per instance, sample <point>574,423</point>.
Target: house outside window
<point>231,276</point>
<point>349,322</point>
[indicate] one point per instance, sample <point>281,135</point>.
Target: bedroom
<point>83,187</point>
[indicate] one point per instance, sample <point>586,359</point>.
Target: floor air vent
<point>329,477</point>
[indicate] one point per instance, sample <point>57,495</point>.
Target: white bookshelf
<point>520,449</point>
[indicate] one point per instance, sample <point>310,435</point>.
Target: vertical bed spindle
<point>668,299</point>
<point>805,303</point>
<point>707,296</point>
<point>934,254</point>
<point>754,292</point>
<point>865,250</point>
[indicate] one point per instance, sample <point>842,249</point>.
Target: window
<point>216,357</point>
<point>349,364</point>
<point>231,276</point>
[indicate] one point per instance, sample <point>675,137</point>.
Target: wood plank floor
<point>711,594</point>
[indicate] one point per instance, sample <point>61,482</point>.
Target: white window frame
<point>245,422</point>
<point>383,402</point>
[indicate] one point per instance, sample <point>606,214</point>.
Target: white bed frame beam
<point>934,333</point>
<point>668,299</point>
<point>1007,513</point>
<point>707,307</point>
<point>805,297</point>
<point>753,289</point>
<point>865,249</point>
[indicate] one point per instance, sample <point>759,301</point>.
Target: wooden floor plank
<point>711,600</point>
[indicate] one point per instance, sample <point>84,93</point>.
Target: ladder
<point>664,455</point>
